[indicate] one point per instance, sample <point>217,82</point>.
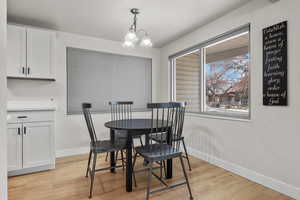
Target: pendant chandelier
<point>136,36</point>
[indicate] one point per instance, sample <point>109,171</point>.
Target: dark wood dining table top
<point>134,124</point>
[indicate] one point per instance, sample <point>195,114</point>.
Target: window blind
<point>99,77</point>
<point>188,80</point>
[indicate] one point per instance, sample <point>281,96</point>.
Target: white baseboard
<point>72,152</point>
<point>269,182</point>
<point>31,170</point>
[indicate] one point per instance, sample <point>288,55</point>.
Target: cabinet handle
<point>28,70</point>
<point>23,70</point>
<point>19,131</point>
<point>22,117</point>
<point>24,130</point>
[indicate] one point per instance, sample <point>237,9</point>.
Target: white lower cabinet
<point>14,147</point>
<point>37,144</point>
<point>30,144</point>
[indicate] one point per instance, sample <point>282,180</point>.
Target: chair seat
<point>103,146</point>
<point>162,138</point>
<point>157,152</point>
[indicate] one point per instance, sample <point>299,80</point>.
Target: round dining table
<point>131,128</point>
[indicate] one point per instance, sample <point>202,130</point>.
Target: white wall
<point>71,133</point>
<point>266,148</point>
<point>3,160</point>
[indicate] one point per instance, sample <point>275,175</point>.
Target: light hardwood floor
<point>67,182</point>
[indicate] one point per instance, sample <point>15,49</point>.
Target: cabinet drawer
<point>34,116</point>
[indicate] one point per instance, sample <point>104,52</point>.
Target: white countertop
<point>30,105</point>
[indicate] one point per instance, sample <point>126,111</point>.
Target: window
<point>99,77</point>
<point>213,77</point>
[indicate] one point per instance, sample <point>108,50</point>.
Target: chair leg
<point>93,175</point>
<point>160,168</point>
<point>117,153</point>
<point>149,181</point>
<point>165,169</point>
<point>141,141</point>
<point>122,160</point>
<point>106,157</point>
<point>186,154</point>
<point>133,174</point>
<point>133,147</point>
<point>186,178</point>
<point>88,166</point>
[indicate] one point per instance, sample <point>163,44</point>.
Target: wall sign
<point>275,91</point>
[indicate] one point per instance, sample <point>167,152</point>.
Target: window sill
<point>222,117</point>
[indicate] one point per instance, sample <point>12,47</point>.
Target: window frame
<point>201,47</point>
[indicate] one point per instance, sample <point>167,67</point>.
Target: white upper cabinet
<point>39,53</point>
<point>16,51</point>
<point>30,52</point>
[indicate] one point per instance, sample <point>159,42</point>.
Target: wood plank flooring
<point>67,182</point>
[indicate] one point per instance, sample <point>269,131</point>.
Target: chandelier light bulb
<point>146,42</point>
<point>131,36</point>
<point>128,44</point>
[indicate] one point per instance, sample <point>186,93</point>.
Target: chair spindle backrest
<point>89,121</point>
<point>167,117</point>
<point>121,110</point>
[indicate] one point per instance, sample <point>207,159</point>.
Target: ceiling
<point>165,20</point>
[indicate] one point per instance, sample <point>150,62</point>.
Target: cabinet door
<point>16,51</point>
<point>40,53</point>
<point>14,147</point>
<point>37,144</point>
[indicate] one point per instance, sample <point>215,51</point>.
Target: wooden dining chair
<point>166,118</point>
<point>122,110</point>
<point>162,138</point>
<point>98,146</point>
